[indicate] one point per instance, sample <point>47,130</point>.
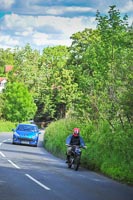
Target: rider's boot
<point>67,159</point>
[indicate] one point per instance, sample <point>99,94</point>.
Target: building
<point>3,80</point>
<point>2,83</point>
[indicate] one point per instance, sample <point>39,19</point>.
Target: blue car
<point>26,134</point>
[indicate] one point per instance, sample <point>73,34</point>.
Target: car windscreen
<point>27,128</point>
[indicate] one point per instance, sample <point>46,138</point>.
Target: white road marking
<point>2,154</point>
<point>30,177</point>
<point>39,183</point>
<point>3,141</point>
<point>14,164</point>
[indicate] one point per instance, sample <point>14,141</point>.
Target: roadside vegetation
<point>6,126</point>
<point>109,152</point>
<point>88,85</point>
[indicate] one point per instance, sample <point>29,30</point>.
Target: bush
<point>6,126</point>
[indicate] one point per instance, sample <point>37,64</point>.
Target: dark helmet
<point>76,132</point>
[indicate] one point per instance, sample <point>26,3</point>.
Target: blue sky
<point>45,23</point>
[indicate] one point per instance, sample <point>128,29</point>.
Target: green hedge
<point>112,153</point>
<point>109,152</point>
<point>55,136</point>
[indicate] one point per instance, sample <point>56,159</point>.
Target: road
<point>33,173</point>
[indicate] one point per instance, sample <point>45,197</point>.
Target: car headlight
<point>16,134</point>
<point>35,136</point>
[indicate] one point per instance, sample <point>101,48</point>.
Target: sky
<point>43,23</point>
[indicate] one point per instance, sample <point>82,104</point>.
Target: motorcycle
<point>74,159</point>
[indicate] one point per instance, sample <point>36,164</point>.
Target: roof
<point>2,79</point>
<point>8,68</point>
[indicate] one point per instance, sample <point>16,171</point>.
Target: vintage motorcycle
<point>74,160</point>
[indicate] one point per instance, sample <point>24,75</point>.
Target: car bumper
<point>27,141</point>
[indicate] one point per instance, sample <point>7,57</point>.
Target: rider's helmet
<point>76,132</point>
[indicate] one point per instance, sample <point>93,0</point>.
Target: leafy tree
<point>83,61</point>
<point>101,60</point>
<point>115,37</point>
<point>18,103</point>
<point>26,66</point>
<point>55,83</point>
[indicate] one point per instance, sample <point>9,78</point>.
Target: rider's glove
<point>84,147</point>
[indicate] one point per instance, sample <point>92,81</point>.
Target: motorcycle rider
<point>74,139</point>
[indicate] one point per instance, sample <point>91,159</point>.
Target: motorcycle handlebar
<point>84,147</point>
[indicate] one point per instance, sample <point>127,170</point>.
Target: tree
<point>101,61</point>
<point>83,62</point>
<point>25,70</point>
<point>116,43</point>
<point>56,89</point>
<point>18,103</point>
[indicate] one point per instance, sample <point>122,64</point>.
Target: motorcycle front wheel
<point>70,162</point>
<point>76,163</point>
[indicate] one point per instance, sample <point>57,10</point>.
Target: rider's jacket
<point>71,140</point>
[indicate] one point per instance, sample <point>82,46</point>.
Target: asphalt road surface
<point>33,173</point>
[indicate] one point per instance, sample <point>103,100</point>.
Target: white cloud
<point>48,28</point>
<point>33,28</point>
<point>66,25</point>
<point>60,10</point>
<point>128,7</point>
<point>8,41</point>
<point>130,21</point>
<point>5,4</point>
<point>40,38</point>
<point>17,22</point>
<point>123,6</point>
<point>27,32</point>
